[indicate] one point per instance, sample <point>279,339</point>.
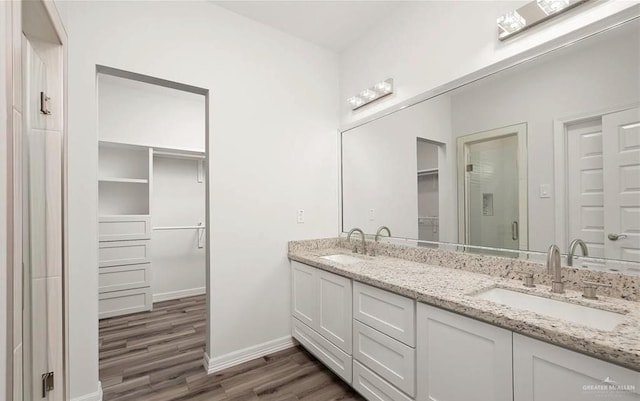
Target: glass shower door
<point>491,178</point>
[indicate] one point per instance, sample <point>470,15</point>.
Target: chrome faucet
<point>364,244</point>
<point>572,250</point>
<point>379,232</point>
<point>554,268</point>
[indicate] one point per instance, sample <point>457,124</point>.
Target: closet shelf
<point>124,180</point>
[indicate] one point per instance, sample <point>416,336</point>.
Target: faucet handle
<point>527,278</point>
<point>590,288</point>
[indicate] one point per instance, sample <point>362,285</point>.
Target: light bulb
<point>367,94</point>
<point>511,22</point>
<point>383,87</point>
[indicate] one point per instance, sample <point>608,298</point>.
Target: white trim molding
<point>216,364</point>
<point>95,396</point>
<point>189,292</point>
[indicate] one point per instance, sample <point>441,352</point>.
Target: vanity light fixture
<point>378,91</point>
<point>532,14</point>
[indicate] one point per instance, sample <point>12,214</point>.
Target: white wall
<point>427,44</point>
<point>139,113</point>
<point>273,149</point>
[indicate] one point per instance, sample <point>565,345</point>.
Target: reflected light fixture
<point>552,6</point>
<point>531,14</point>
<point>378,91</point>
<point>511,22</point>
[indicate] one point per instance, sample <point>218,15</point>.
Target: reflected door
<point>493,184</point>
<point>621,149</point>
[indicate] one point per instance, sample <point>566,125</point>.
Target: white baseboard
<point>190,292</point>
<point>213,365</point>
<point>95,396</point>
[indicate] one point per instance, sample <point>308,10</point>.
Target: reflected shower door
<point>493,193</point>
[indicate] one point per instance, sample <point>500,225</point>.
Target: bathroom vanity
<point>396,328</point>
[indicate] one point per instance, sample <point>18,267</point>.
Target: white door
<point>585,185</point>
<point>621,149</point>
<point>42,239</point>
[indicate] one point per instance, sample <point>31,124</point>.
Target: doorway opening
<point>153,259</point>
<point>492,188</point>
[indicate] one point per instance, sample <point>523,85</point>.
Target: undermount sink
<point>592,317</point>
<point>342,259</point>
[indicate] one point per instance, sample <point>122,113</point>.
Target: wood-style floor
<point>157,356</point>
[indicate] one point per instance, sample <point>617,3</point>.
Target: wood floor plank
<point>157,356</point>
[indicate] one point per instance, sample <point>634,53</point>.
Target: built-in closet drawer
<point>117,303</point>
<point>124,228</point>
<point>323,349</point>
<point>118,253</point>
<point>126,277</point>
<point>387,312</point>
<point>373,387</point>
<point>388,357</point>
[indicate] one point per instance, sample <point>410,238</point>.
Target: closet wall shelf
<point>124,180</point>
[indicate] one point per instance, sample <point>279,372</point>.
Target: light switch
<point>545,191</point>
<point>300,216</point>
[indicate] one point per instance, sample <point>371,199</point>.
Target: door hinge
<point>47,383</point>
<point>44,104</point>
<point>469,168</point>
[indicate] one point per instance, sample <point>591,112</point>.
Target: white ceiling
<point>330,24</point>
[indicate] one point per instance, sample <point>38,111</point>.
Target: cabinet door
<point>461,358</point>
<point>304,294</point>
<point>335,315</point>
<point>545,372</point>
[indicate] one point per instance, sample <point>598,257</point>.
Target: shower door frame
<point>520,131</point>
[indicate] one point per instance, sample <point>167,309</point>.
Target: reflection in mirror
<point>544,152</point>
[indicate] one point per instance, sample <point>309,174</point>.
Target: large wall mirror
<point>544,152</point>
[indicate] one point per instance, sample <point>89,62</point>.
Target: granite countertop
<point>453,289</point>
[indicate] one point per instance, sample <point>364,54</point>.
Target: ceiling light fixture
<point>532,14</point>
<point>378,91</point>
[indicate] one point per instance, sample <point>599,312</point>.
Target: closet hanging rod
<point>178,228</point>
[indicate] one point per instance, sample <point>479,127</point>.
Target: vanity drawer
<point>373,387</point>
<point>321,348</point>
<point>389,313</point>
<point>127,277</point>
<point>116,303</point>
<point>389,358</point>
<point>118,253</point>
<point>124,228</point>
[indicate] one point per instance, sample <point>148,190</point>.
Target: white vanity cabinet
<point>459,358</point>
<point>322,315</point>
<point>543,372</point>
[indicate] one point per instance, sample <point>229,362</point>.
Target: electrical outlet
<point>300,216</point>
<point>372,214</point>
